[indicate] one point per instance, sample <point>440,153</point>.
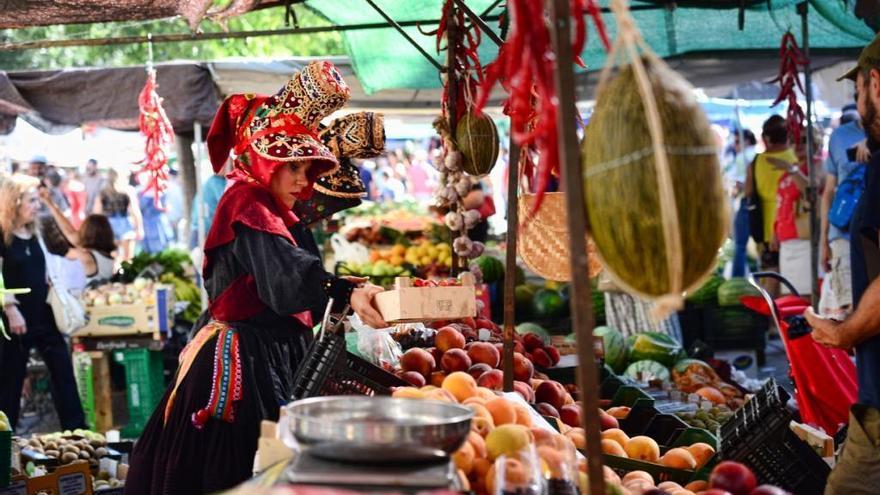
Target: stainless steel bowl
<point>378,429</point>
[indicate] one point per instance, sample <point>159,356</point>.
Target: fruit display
<point>616,442</point>
<point>381,273</point>
<point>709,419</point>
<point>453,346</point>
<point>730,291</point>
<point>492,268</point>
<point>66,447</point>
<point>615,347</point>
<point>655,346</point>
<point>141,292</point>
<point>707,293</point>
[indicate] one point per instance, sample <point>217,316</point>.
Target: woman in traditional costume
<point>239,367</point>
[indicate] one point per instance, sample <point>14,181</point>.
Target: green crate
<point>144,386</point>
<point>85,385</point>
<point>5,457</point>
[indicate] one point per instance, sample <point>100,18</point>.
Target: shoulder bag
<point>69,313</point>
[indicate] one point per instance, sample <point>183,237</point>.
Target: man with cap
<point>858,469</point>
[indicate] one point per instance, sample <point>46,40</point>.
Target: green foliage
<point>318,44</point>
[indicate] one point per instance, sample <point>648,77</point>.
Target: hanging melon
<point>652,183</point>
<point>477,140</point>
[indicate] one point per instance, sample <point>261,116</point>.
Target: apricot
<point>578,436</point>
<point>523,417</point>
<point>407,393</point>
<point>702,452</point>
<point>617,435</point>
<point>502,411</point>
<point>697,486</point>
<point>478,444</point>
<point>678,458</point>
<point>643,448</point>
<point>633,475</point>
<point>464,457</point>
<point>486,393</point>
<point>611,447</point>
<point>461,385</point>
<point>513,474</point>
<point>449,338</point>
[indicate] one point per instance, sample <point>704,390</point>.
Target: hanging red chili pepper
<point>156,128</point>
<point>792,62</point>
<point>524,68</point>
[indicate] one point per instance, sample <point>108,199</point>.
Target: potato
<point>84,455</point>
<point>71,448</point>
<point>53,453</point>
<point>101,452</point>
<point>68,457</point>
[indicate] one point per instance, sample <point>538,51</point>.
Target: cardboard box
<point>72,479</point>
<point>408,303</point>
<point>131,319</point>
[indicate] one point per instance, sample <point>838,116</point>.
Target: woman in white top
<point>93,243</point>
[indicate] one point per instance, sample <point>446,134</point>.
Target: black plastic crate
<point>329,369</point>
<point>758,435</point>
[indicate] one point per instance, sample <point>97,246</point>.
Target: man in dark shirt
<point>858,469</point>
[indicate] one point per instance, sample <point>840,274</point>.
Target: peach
<point>519,347</point>
<point>474,400</point>
<point>515,475</point>
<point>436,353</point>
<point>669,486</point>
<point>502,411</point>
<point>554,355</point>
<point>418,360</point>
<point>462,385</point>
<point>522,368</point>
<point>570,414</point>
<point>449,338</point>
<point>607,473</point>
<point>437,378</point>
<point>554,465</point>
<point>578,436</point>
<point>455,360</point>
<point>679,458</point>
<point>546,409</point>
<point>523,416</point>
<point>464,458</point>
<point>524,390</point>
<point>611,447</point>
<point>551,392</point>
<point>408,393</point>
<point>480,411</point>
<point>485,353</point>
<point>415,379</point>
<point>638,475</point>
<point>620,412</point>
<point>541,359</point>
<point>607,421</point>
<point>617,435</point>
<point>702,452</point>
<point>486,393</point>
<point>642,448</point>
<point>478,444</point>
<point>543,437</point>
<point>493,379</point>
<point>480,469</point>
<point>532,341</point>
<point>440,395</point>
<point>477,370</point>
<point>482,426</point>
<point>697,486</point>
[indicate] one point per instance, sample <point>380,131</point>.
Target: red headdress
<point>265,132</point>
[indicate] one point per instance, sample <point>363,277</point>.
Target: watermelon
<point>523,295</point>
<point>615,349</point>
<point>599,306</point>
<point>656,347</point>
<point>731,290</point>
<point>524,328</point>
<point>492,268</point>
<point>708,292</point>
<point>646,370</point>
<point>548,303</point>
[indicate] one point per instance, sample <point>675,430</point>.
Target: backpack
<point>846,198</point>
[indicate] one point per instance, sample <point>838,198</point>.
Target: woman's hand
<point>362,304</point>
<point>45,195</point>
<point>16,321</point>
<point>863,154</point>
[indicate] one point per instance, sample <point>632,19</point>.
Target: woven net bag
<point>543,238</point>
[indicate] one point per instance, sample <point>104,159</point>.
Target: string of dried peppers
<point>524,68</point>
<point>791,64</point>
<point>156,128</point>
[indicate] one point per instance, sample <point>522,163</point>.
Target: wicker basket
<point>543,238</point>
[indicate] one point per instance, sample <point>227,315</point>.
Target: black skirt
<point>178,458</point>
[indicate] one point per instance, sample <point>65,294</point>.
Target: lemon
<point>507,439</point>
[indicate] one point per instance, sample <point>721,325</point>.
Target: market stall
<point>531,405</point>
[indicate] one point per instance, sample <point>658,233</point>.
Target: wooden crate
<point>131,319</point>
<point>408,303</point>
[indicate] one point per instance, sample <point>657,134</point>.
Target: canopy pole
<point>803,10</point>
<point>510,262</point>
<point>581,292</point>
<point>406,35</point>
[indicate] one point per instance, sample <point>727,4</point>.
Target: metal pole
<point>510,265</point>
<point>406,35</point>
<point>479,23</point>
<point>572,179</point>
<point>200,207</point>
<point>803,10</point>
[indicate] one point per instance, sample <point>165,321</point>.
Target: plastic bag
<point>376,345</point>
